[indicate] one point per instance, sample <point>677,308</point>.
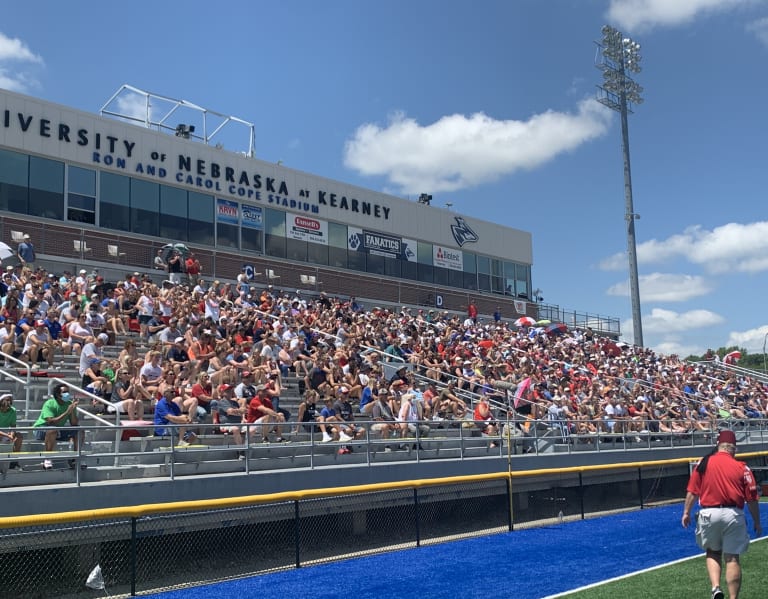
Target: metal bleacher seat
<point>114,252</point>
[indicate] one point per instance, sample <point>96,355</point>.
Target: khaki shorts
<point>722,529</point>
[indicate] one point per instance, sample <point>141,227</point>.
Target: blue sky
<point>486,105</point>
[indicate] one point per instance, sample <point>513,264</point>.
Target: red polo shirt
<point>726,481</point>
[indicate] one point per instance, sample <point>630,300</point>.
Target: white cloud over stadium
<point>15,62</point>
<point>665,287</point>
<point>458,152</point>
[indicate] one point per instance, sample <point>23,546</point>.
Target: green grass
<point>685,580</point>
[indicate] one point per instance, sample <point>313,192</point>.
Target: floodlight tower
<point>618,58</point>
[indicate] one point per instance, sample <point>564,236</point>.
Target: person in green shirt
<point>8,423</point>
<point>58,411</point>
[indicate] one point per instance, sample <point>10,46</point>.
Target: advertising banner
<point>304,228</point>
<point>253,217</point>
<point>226,211</point>
<point>381,244</point>
<point>447,258</point>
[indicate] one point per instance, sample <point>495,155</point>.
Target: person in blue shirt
<point>168,412</point>
<point>26,252</point>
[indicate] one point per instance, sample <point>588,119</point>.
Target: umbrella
<point>556,329</point>
<point>732,357</point>
<point>612,349</point>
<point>171,247</point>
<point>525,321</point>
<point>521,390</point>
<point>543,322</point>
<point>6,251</point>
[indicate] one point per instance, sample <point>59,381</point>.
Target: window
<point>173,208</point>
<point>392,267</point>
<point>200,222</point>
<point>81,195</point>
<point>274,233</point>
<point>145,207</point>
<point>14,181</point>
<point>46,188</point>
<point>296,250</point>
<point>227,235</point>
<point>252,239</point>
<point>375,264</point>
<point>337,245</point>
<point>114,201</point>
<point>317,253</point>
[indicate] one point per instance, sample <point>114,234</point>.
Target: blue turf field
<point>525,564</point>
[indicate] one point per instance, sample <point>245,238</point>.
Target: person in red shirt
<point>261,411</point>
<point>722,485</point>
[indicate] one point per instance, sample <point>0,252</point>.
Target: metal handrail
<point>23,381</point>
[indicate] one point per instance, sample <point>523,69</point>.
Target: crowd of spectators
<point>219,352</point>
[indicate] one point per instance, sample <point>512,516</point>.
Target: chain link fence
<point>147,548</point>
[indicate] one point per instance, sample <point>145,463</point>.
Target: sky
<point>489,106</point>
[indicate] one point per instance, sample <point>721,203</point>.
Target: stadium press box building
<point>98,191</point>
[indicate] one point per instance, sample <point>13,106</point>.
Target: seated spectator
<point>39,346</point>
<point>126,397</point>
<point>58,421</point>
<point>8,430</point>
<point>261,413</point>
<point>231,412</point>
<point>384,420</point>
<point>410,417</point>
<point>202,391</point>
<point>485,420</point>
<point>334,422</point>
<point>343,409</point>
<point>310,412</point>
<point>168,411</point>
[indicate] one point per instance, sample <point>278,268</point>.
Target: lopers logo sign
<point>462,232</point>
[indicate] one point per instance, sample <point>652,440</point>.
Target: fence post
<point>416,515</point>
<point>296,532</point>
<point>581,493</point>
<point>510,519</point>
<point>133,556</point>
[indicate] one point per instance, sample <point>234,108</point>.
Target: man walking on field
<point>723,485</point>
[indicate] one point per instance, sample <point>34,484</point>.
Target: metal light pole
<point>620,56</point>
<point>765,363</point>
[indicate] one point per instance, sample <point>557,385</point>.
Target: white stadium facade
<point>99,191</point>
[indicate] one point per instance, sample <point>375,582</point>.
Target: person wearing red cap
<point>722,485</point>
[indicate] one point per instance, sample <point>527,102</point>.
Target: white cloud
<point>728,248</point>
<point>17,50</point>
<point>15,59</point>
<point>646,14</point>
<point>751,340</point>
<point>667,321</point>
<point>457,151</point>
<point>760,29</point>
<point>133,105</point>
<point>665,287</point>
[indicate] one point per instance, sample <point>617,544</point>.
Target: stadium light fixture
<point>618,57</point>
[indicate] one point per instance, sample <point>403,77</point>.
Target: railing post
<point>581,494</point>
<point>510,519</point>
